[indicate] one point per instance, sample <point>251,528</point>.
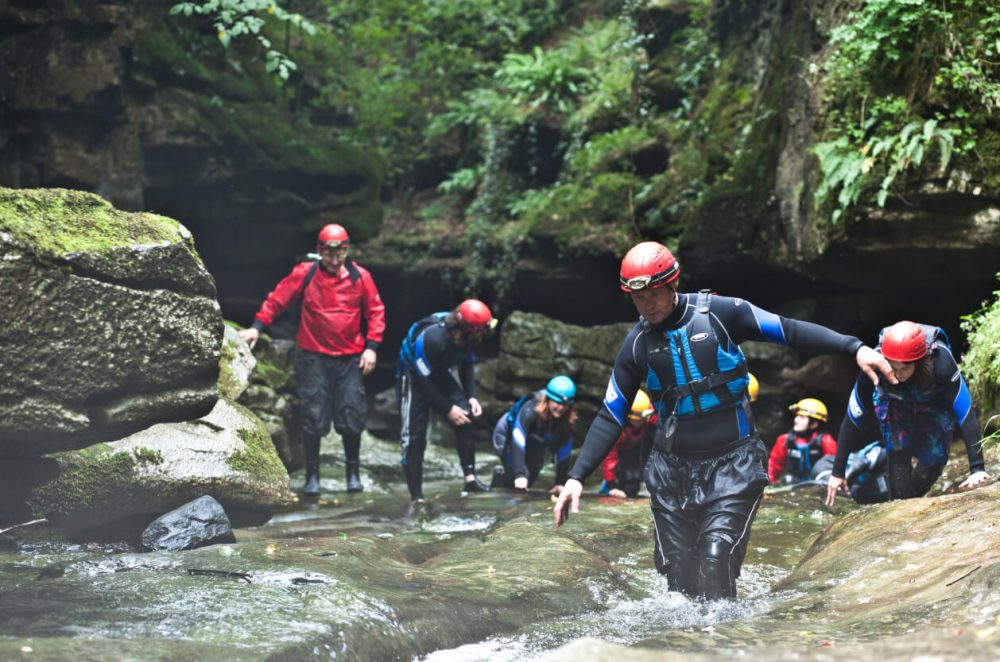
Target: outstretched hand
<point>836,484</point>
<point>871,361</point>
<point>249,336</point>
<point>976,479</point>
<point>568,502</point>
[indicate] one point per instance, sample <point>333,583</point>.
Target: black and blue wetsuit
<point>424,381</point>
<point>524,443</point>
<point>913,422</point>
<point>708,468</point>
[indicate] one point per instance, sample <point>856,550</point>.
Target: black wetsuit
<point>524,446</point>
<point>706,479</point>
<point>423,381</point>
<point>912,423</point>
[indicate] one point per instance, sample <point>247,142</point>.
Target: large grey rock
<point>110,322</point>
<point>195,524</point>
<point>127,483</point>
<point>236,365</point>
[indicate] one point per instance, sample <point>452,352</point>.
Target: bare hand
<point>976,479</point>
<point>367,361</point>
<point>835,485</point>
<point>521,483</point>
<point>249,336</point>
<point>869,361</point>
<point>618,493</point>
<point>555,489</point>
<point>458,416</point>
<point>477,409</point>
<point>568,502</point>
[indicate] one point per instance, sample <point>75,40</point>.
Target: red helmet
<point>648,265</point>
<point>475,316</point>
<point>333,235</point>
<point>904,342</point>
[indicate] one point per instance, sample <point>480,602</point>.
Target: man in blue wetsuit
<point>708,468</point>
<point>432,347</point>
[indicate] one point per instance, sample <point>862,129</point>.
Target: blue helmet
<point>561,389</point>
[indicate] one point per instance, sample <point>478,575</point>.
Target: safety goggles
<point>636,283</point>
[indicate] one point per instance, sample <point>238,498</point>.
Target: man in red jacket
<point>810,447</point>
<point>338,299</point>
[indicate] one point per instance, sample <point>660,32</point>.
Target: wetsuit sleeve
<point>523,424</point>
<point>957,394</point>
<point>745,321</point>
<point>829,444</point>
<point>374,313</point>
<point>429,351</point>
<point>282,297</point>
<point>626,376</point>
<point>860,416</point>
<point>779,458</point>
<point>609,468</point>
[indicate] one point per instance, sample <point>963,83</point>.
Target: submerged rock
<point>195,524</point>
<point>115,489</point>
<point>111,323</point>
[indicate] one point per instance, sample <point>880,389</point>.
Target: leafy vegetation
<point>981,364</point>
<point>907,79</point>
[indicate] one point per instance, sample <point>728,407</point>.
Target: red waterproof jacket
<point>332,310</point>
<point>779,453</point>
<point>627,445</point>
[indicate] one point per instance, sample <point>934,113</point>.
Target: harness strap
<point>705,384</point>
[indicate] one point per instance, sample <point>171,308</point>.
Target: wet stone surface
<point>487,577</point>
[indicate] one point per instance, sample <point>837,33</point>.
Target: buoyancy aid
<point>805,456</point>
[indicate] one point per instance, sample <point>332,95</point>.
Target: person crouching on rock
<point>808,445</point>
<point>539,425</point>
<point>340,330</point>
<point>625,464</point>
<point>917,417</point>
<point>432,347</point>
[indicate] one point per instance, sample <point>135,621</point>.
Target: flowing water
<point>484,577</point>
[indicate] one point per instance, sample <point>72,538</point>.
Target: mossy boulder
<point>235,366</point>
<point>116,489</point>
<point>111,322</point>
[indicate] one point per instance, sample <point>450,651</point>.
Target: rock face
<point>150,112</point>
<point>199,523</point>
<point>122,486</point>
<point>111,322</point>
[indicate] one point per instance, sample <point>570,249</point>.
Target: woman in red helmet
<point>916,418</point>
<point>432,347</point>
<point>708,468</point>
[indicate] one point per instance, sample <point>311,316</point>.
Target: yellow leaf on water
<point>271,549</point>
<point>491,571</point>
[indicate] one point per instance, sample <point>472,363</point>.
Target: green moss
<point>148,456</point>
<point>60,221</point>
<point>273,376</point>
<point>259,460</point>
<point>981,364</point>
<point>227,383</point>
<point>87,477</point>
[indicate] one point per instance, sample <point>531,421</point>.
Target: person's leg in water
<point>675,528</point>
<point>314,411</point>
<point>415,411</point>
<point>349,412</point>
<point>465,444</point>
<point>503,473</point>
<point>900,474</point>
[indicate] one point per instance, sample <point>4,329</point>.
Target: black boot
<point>353,480</point>
<point>310,443</point>
<point>475,485</point>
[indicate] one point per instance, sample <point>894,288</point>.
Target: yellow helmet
<point>641,407</point>
<point>753,387</point>
<point>810,407</point>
